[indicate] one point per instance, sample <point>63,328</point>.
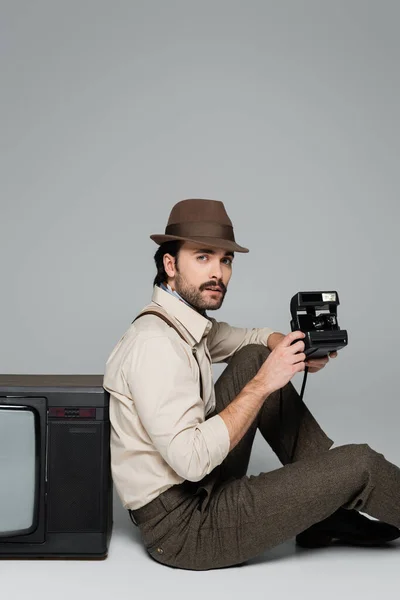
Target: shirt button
<point>160,550</point>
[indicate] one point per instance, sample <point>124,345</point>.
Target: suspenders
<point>165,318</point>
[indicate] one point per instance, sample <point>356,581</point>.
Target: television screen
<point>19,468</point>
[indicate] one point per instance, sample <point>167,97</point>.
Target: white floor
<point>284,572</point>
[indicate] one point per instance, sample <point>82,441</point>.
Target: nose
<point>216,271</point>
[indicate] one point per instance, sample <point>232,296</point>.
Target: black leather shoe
<point>347,527</point>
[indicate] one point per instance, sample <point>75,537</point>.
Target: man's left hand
<point>316,364</point>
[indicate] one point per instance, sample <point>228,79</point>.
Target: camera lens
<point>318,323</point>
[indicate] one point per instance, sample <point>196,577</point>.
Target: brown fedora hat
<point>201,221</point>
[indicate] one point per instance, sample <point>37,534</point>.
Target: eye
<point>202,256</point>
<point>229,260</point>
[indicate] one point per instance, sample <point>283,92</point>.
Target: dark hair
<point>172,248</point>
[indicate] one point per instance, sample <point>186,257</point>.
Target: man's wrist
<point>259,387</point>
<point>274,339</point>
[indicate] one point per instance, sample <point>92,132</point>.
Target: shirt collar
<point>196,324</point>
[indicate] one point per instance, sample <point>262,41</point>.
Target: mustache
<point>213,285</point>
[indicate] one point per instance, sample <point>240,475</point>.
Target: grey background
<point>287,111</point>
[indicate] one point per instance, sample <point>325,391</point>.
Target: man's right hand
<point>283,363</point>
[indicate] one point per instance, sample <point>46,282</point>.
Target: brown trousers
<point>229,517</point>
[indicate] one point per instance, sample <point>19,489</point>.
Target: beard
<point>196,297</point>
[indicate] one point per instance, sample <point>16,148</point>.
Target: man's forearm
<point>241,412</point>
<point>274,339</point>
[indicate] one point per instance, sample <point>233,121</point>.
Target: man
<point>181,446</point>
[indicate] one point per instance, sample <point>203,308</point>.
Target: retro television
<point>55,476</point>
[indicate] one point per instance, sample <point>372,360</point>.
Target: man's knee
<point>248,359</point>
<point>362,456</point>
<point>257,350</point>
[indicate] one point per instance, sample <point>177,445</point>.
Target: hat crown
<point>199,210</point>
<point>201,221</point>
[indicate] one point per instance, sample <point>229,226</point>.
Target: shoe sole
<point>324,541</point>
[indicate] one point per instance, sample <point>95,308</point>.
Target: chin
<point>213,305</point>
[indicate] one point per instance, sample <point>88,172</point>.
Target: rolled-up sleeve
<point>224,340</point>
<point>164,389</point>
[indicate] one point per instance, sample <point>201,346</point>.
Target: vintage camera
<point>322,331</point>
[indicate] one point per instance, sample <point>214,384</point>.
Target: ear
<point>169,265</point>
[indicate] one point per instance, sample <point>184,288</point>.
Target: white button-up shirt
<point>160,435</point>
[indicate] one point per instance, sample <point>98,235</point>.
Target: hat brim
<point>203,241</point>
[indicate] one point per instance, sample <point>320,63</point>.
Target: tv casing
<point>73,507</point>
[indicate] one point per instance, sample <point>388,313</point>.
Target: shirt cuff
<point>264,334</point>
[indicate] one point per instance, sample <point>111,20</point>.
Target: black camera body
<point>322,332</point>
